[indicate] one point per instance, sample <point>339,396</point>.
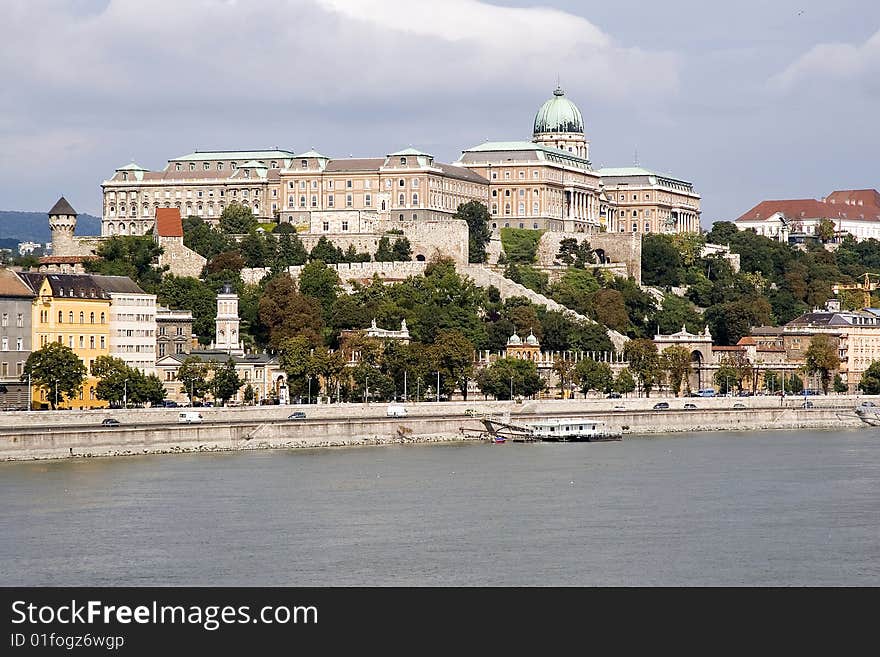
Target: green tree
<point>237,219</point>
<point>676,361</point>
<point>226,382</point>
<point>839,386</point>
<point>253,250</point>
<point>294,358</point>
<point>383,251</point>
<point>609,309</point>
<point>822,359</point>
<point>564,370</point>
<point>193,376</point>
<point>401,251</point>
<point>510,374</point>
<point>476,215</point>
<point>187,293</point>
<point>825,230</point>
<point>250,394</point>
<point>795,384</point>
<point>320,282</point>
<point>146,389</point>
<point>731,321</point>
<point>326,252</point>
<point>574,254</point>
<point>733,369</point>
<point>56,369</point>
<point>134,256</point>
<point>520,244</point>
<point>644,361</point>
<point>528,276</point>
<point>452,354</point>
<point>661,262</point>
<point>286,313</point>
<point>722,232</point>
<point>113,375</point>
<point>772,381</point>
<point>592,375</point>
<point>228,261</point>
<point>291,251</point>
<point>204,240</point>
<point>870,383</point>
<point>624,383</point>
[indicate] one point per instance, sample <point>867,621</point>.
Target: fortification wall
<point>181,260</point>
<point>625,248</point>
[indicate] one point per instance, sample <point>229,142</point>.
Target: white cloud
<point>834,62</point>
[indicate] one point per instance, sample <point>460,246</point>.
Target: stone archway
<point>697,369</point>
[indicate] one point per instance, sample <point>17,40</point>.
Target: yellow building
<point>74,310</point>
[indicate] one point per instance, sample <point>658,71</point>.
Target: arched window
<point>401,199</point>
<point>70,317</point>
<point>103,321</point>
<point>92,320</point>
<point>91,342</point>
<point>383,205</point>
<point>82,317</point>
<point>61,313</point>
<point>415,199</point>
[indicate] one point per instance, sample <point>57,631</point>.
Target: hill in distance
<point>34,226</point>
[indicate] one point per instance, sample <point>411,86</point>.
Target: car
<point>110,422</point>
<point>807,404</point>
<point>619,407</point>
<point>661,406</point>
<point>739,405</point>
<point>189,417</point>
<point>471,412</point>
<point>613,395</point>
<point>168,403</point>
<point>396,410</point>
<point>297,415</point>
<point>706,392</point>
<point>690,407</point>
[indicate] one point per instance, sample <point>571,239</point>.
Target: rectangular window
<point>330,200</point>
<point>348,200</point>
<point>19,344</point>
<point>368,200</point>
<point>326,226</point>
<point>103,343</point>
<point>304,164</point>
<point>5,344</point>
<point>348,184</point>
<point>5,320</point>
<point>314,201</point>
<point>344,226</point>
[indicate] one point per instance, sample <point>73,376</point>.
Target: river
<point>729,509</point>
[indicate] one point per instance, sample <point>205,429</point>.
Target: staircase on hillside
<point>485,277</point>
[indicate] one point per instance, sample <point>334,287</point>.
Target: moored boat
<point>869,413</point>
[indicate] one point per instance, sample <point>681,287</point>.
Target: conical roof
<point>62,207</point>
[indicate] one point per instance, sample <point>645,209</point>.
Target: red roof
<point>841,204</point>
<point>168,223</point>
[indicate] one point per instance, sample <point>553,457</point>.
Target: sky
<point>750,100</point>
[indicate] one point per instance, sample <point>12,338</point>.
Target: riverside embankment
<point>66,434</point>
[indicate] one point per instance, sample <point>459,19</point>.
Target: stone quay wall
<point>66,434</point>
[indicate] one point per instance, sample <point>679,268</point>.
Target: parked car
<point>690,407</point>
<point>661,406</point>
<point>471,412</point>
<point>706,392</point>
<point>739,405</point>
<point>110,422</point>
<point>297,415</point>
<point>619,407</point>
<point>168,403</point>
<point>808,404</point>
<point>613,395</point>
<point>189,417</point>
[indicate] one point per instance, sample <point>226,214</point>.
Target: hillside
<point>34,226</point>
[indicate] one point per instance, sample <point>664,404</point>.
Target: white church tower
<point>226,332</point>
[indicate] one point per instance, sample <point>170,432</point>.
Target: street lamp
<point>56,394</point>
<point>310,389</point>
<point>511,388</point>
<point>125,394</point>
<point>366,388</point>
<point>438,385</point>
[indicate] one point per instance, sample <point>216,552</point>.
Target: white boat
<point>553,430</point>
<point>869,413</point>
<point>570,430</point>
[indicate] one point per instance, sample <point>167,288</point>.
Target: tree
<point>870,383</point>
<point>825,230</point>
<point>291,251</point>
<point>294,359</point>
<point>734,368</point>
<point>795,384</point>
<point>731,321</point>
<point>520,244</point>
<point>286,312</point>
<point>508,375</point>
<point>476,215</point>
<point>575,255</point>
<point>644,361</point>
<point>226,382</point>
<point>193,376</point>
<point>592,375</point>
<point>113,375</point>
<point>676,361</point>
<point>134,256</point>
<point>772,381</point>
<point>191,294</point>
<point>383,251</point>
<point>624,383</point>
<point>661,262</point>
<point>250,394</point>
<point>839,386</point>
<point>237,219</point>
<point>722,232</point>
<point>320,282</point>
<point>147,388</point>
<point>609,309</point>
<point>452,354</point>
<point>564,370</point>
<point>822,359</point>
<point>227,261</point>
<point>326,252</point>
<point>56,369</point>
<point>201,238</point>
<point>253,250</point>
<point>401,250</point>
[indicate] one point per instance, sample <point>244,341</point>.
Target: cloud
<point>832,63</point>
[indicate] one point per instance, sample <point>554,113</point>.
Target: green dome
<point>559,114</point>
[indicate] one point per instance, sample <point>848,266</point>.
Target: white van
<point>396,410</point>
<point>189,416</point>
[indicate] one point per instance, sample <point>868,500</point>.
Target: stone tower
<point>62,223</point>
<point>226,330</point>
